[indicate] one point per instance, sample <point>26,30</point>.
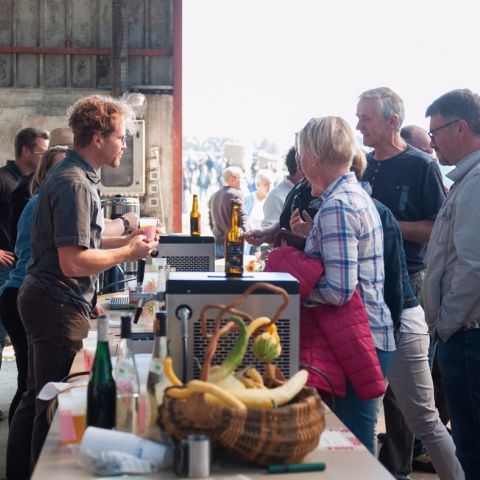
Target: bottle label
<point>156,366</point>
<point>195,226</point>
<point>126,378</point>
<point>234,256</point>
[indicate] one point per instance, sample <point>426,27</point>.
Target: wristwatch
<point>126,225</point>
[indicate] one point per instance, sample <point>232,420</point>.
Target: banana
<point>216,391</point>
<point>169,373</point>
<point>270,397</point>
<point>254,374</point>
<point>256,324</point>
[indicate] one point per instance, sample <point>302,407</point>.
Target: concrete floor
<point>8,378</point>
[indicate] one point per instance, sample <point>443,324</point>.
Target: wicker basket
<point>280,435</point>
<point>262,436</point>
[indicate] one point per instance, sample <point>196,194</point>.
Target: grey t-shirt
<point>69,213</point>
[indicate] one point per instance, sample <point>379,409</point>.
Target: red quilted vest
<point>335,339</point>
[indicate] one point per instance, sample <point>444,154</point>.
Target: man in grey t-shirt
<point>68,251</point>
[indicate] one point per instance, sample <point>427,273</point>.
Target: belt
<point>472,325</point>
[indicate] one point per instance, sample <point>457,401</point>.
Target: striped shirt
<point>347,237</point>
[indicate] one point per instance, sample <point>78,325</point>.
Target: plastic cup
<point>148,225</point>
<point>72,407</point>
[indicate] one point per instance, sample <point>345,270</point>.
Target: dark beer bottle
<point>102,392</point>
<point>234,245</point>
<point>195,218</point>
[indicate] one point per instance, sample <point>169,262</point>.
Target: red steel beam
<point>133,52</point>
<point>177,117</point>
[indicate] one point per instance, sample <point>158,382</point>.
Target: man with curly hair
<point>68,252</point>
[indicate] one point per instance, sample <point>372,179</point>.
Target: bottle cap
<point>126,329</point>
<point>161,316</point>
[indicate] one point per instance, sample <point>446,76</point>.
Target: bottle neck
<point>195,204</point>
<point>160,347</point>
<point>234,221</point>
<point>102,329</point>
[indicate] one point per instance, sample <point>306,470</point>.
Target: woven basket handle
<point>223,309</point>
<point>231,308</point>
<point>218,332</point>
<point>265,286</point>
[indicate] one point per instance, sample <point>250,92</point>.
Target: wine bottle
<point>195,228</point>
<point>156,379</point>
<point>101,392</point>
<point>234,245</point>
<point>128,383</point>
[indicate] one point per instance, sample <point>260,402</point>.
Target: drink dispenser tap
<point>184,314</point>
<point>141,300</point>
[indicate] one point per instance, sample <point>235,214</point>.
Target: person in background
<point>9,292</point>
<point>417,137</point>
<point>352,251</point>
<point>452,280</point>
<point>273,205</point>
<point>21,195</point>
<point>220,207</point>
<point>68,252</point>
<point>409,375</point>
<point>255,201</point>
<point>30,145</point>
<point>409,183</point>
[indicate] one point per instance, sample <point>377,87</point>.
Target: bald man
<point>417,137</point>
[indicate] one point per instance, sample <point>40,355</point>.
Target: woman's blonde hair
<point>327,140</point>
<point>44,165</point>
<point>359,163</point>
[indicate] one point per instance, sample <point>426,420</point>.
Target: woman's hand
<point>301,226</point>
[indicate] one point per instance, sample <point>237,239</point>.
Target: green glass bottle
<point>102,392</point>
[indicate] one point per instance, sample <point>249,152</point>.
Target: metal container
<point>193,457</point>
<point>114,207</point>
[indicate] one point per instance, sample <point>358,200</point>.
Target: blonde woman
<point>346,236</point>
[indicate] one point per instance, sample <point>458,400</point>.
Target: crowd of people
<point>390,297</point>
<point>385,228</point>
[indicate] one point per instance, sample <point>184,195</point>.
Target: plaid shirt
<point>347,237</point>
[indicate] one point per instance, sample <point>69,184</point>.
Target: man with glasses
<point>68,252</point>
<point>30,145</point>
<point>452,280</point>
<point>409,183</point>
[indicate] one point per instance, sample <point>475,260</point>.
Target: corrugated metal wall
<point>53,52</point>
<point>67,43</point>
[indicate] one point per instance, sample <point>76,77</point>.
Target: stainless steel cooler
<point>187,253</point>
<point>196,289</point>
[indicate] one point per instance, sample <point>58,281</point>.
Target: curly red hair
<point>96,114</point>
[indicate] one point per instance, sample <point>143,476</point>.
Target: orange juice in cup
<point>148,225</point>
<point>72,407</point>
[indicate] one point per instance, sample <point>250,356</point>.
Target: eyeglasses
<point>38,153</point>
<point>432,133</point>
